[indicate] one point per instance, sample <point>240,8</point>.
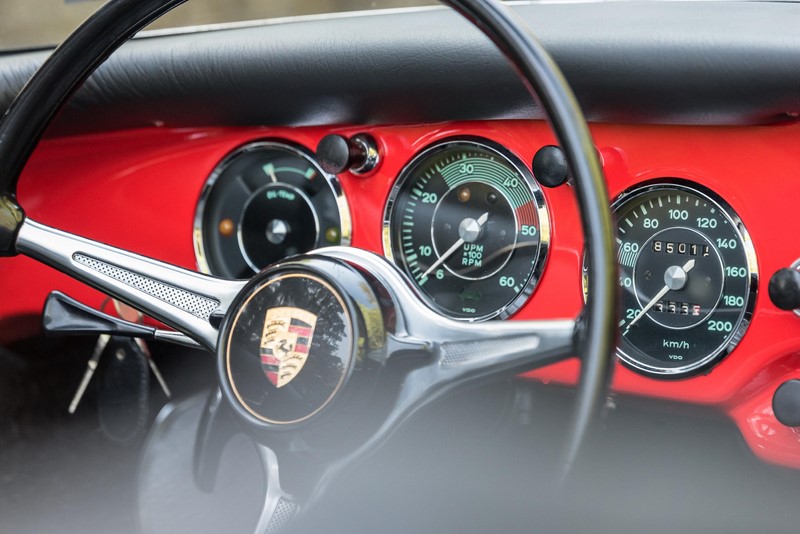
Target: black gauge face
<point>265,202</point>
<point>468,225</point>
<point>688,277</point>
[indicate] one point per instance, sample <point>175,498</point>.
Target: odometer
<point>468,224</point>
<point>688,275</point>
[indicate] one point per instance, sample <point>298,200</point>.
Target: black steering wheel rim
<point>73,62</point>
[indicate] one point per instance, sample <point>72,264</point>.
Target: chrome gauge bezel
<point>511,159</point>
<point>713,358</point>
<point>345,221</point>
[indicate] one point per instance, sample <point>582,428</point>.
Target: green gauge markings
<point>466,222</point>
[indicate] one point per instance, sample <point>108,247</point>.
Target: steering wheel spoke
<point>279,507</point>
<point>183,299</point>
<point>476,351</point>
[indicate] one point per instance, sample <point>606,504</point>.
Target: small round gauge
<point>688,275</point>
<point>468,225</point>
<point>264,202</point>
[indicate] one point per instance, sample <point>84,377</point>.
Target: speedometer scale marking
<point>468,224</point>
<point>688,276</point>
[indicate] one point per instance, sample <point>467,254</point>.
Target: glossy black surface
<point>54,82</point>
<point>278,221</point>
<point>292,319</point>
<point>784,289</point>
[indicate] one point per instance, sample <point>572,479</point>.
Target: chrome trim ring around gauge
<point>507,157</point>
<point>345,221</point>
<point>731,341</point>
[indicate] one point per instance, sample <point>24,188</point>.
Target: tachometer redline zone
<point>468,224</point>
<point>688,275</point>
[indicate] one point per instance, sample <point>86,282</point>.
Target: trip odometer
<point>688,275</point>
<point>468,224</point>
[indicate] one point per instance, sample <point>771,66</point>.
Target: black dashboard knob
<point>336,154</point>
<point>784,289</point>
<point>786,403</point>
<point>550,166</point>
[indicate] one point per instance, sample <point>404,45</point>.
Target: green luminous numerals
<point>468,224</point>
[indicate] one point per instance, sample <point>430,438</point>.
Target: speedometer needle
<point>481,221</point>
<point>674,278</point>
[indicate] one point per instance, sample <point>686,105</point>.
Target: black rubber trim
<point>631,62</point>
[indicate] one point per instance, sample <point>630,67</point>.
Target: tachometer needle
<point>481,221</point>
<point>675,278</point>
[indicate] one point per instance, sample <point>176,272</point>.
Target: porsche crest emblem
<point>285,342</point>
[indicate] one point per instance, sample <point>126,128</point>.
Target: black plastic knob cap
<point>784,289</point>
<point>786,403</point>
<point>336,154</point>
<point>333,154</point>
<point>550,166</point>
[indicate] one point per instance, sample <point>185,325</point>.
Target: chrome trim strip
<point>83,259</point>
<point>291,19</point>
<point>461,346</point>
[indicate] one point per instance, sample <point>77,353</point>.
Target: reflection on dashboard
<point>264,202</point>
<point>468,224</point>
<point>688,276</point>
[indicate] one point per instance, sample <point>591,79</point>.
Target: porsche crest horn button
<point>285,342</point>
<point>293,338</point>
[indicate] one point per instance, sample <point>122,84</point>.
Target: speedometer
<point>468,224</point>
<point>688,275</point>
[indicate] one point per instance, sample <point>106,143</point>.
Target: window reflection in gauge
<point>688,276</point>
<point>467,223</point>
<point>266,201</point>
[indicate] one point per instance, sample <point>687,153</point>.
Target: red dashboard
<point>139,189</point>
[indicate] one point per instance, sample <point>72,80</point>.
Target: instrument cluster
<point>712,241</point>
<point>467,221</point>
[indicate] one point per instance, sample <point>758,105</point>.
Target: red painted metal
<point>138,190</point>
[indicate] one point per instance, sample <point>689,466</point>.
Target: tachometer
<point>468,224</point>
<point>688,274</point>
